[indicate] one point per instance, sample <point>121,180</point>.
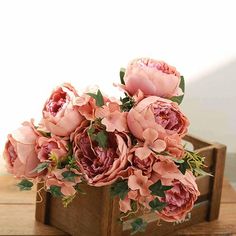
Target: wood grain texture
<point>219,157</point>
<point>19,219</point>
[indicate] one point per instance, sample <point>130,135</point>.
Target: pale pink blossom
<point>140,182</point>
<point>112,117</point>
<point>157,113</point>
<point>151,143</point>
<point>19,152</point>
<point>60,115</point>
<point>152,77</point>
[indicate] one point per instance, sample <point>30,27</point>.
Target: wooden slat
<point>203,183</point>
<point>219,156</point>
<point>225,226</point>
<point>198,214</point>
<point>197,142</point>
<point>42,203</point>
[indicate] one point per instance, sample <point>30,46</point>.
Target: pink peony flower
<point>19,151</point>
<point>48,147</point>
<point>159,114</point>
<point>152,78</point>
<point>101,165</point>
<point>180,199</point>
<point>55,178</point>
<point>60,116</point>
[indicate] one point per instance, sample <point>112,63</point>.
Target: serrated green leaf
<point>120,188</point>
<point>158,189</point>
<point>122,74</point>
<point>41,167</point>
<point>25,185</point>
<point>101,139</point>
<point>156,205</point>
<point>55,191</point>
<point>69,175</point>
<point>98,97</point>
<point>138,225</point>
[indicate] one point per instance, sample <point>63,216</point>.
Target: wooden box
<point>96,213</point>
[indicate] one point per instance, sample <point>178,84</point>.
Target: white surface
<point>44,43</point>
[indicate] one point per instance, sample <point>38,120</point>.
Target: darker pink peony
<point>101,165</point>
<point>159,114</point>
<point>180,199</point>
<point>60,116</point>
<point>152,77</point>
<point>51,149</point>
<point>20,153</point>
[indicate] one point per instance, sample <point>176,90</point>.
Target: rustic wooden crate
<point>96,213</point>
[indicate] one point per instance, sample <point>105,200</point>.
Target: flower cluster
<point>133,144</point>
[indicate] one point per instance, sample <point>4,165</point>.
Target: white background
<point>45,43</point>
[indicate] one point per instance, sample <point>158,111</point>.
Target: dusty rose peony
<point>180,199</point>
<point>20,152</point>
<point>46,147</point>
<point>157,113</point>
<point>60,116</point>
<point>152,77</point>
<point>101,166</point>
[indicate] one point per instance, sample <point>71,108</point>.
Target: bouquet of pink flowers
<point>133,144</point>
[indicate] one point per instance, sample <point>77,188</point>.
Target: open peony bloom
<point>60,116</point>
<point>152,77</point>
<point>19,151</point>
<point>159,114</point>
<point>101,165</point>
<point>180,199</point>
<point>51,149</point>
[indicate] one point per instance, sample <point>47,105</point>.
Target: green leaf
<point>156,205</point>
<point>138,225</point>
<point>101,138</point>
<point>79,190</point>
<point>122,73</point>
<point>182,83</point>
<point>158,189</point>
<point>69,175</point>
<point>127,103</point>
<point>120,189</point>
<point>25,185</point>
<point>179,99</point>
<point>183,167</point>
<point>41,167</point>
<point>55,191</point>
<point>98,97</point>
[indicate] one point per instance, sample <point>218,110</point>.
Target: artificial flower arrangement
<point>133,144</point>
